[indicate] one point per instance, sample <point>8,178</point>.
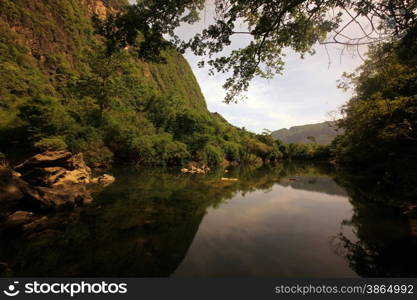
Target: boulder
<point>63,197</point>
<point>19,218</point>
<point>46,159</point>
<point>13,190</point>
<point>104,180</point>
<point>8,189</point>
<point>47,181</point>
<point>24,222</point>
<point>54,168</point>
<point>36,226</point>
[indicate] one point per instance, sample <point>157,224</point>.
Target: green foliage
<point>70,92</point>
<point>90,142</point>
<point>142,149</point>
<point>159,149</point>
<point>116,4</point>
<point>233,151</point>
<point>143,25</point>
<point>105,83</point>
<point>213,155</point>
<point>170,151</point>
<point>45,117</point>
<point>271,26</point>
<point>55,143</point>
<point>294,151</point>
<point>88,94</point>
<point>380,121</point>
<point>378,130</point>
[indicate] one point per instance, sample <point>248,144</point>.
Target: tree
<point>142,26</point>
<point>380,121</point>
<point>102,84</point>
<point>272,26</point>
<point>297,24</point>
<point>45,116</point>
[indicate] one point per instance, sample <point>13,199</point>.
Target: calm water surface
<point>282,231</point>
<point>287,221</point>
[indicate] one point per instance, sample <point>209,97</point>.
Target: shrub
<point>233,151</point>
<point>55,143</point>
<point>213,156</point>
<point>45,117</point>
<point>142,150</point>
<point>169,151</point>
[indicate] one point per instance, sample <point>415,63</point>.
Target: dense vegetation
<point>380,121</point>
<point>61,88</point>
<point>115,90</point>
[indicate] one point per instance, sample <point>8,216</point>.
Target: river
<point>287,221</point>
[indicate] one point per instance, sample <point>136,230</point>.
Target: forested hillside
<point>61,89</point>
<point>58,90</point>
<point>321,133</point>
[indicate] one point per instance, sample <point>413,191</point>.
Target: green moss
<point>55,143</point>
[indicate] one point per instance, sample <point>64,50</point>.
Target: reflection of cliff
<point>141,226</point>
<point>321,184</point>
<point>144,224</point>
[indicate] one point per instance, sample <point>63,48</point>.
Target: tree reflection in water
<point>385,243</point>
<point>144,224</point>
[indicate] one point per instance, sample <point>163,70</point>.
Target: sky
<point>305,93</point>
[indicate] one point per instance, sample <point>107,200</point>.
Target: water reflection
<point>385,241</point>
<point>286,221</point>
<point>283,230</point>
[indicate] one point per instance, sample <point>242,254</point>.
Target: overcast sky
<point>306,92</point>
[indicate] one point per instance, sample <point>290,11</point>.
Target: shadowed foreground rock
<point>53,180</point>
<point>48,181</point>
<point>41,197</point>
<point>44,184</point>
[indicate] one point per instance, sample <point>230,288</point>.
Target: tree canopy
<point>272,25</point>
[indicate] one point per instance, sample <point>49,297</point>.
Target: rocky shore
<point>44,193</point>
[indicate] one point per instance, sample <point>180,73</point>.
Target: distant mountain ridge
<point>323,133</point>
